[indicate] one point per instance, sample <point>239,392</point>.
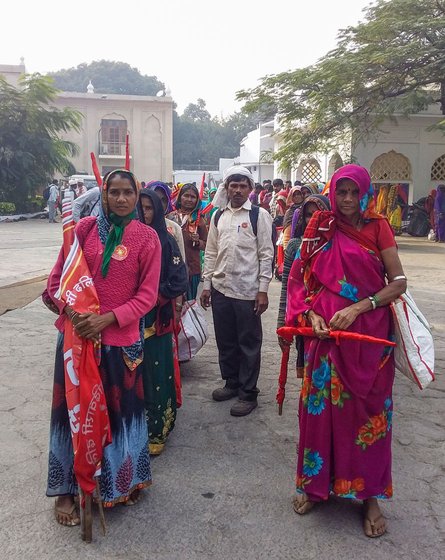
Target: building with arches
<point>106,119</point>
<point>105,123</point>
<point>406,151</point>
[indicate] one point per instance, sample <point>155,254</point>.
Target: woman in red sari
<point>346,276</point>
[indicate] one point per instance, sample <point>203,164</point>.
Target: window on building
<point>438,169</point>
<point>107,168</point>
<point>311,171</point>
<point>334,163</point>
<point>391,167</point>
<point>113,133</point>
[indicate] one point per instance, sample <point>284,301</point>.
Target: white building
<point>407,152</point>
<point>404,151</point>
<point>106,119</point>
<point>256,153</point>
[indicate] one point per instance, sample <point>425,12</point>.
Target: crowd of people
<point>149,248</point>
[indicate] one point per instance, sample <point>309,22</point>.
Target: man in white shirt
<point>87,204</point>
<point>237,272</point>
<point>52,201</point>
<point>81,188</point>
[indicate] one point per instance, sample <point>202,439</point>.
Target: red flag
<point>207,209</point>
<point>127,152</point>
<point>201,190</point>
<point>87,408</point>
<point>96,169</point>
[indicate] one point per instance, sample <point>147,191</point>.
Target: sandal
<point>302,504</point>
<point>369,527</point>
<point>134,498</point>
<point>71,516</point>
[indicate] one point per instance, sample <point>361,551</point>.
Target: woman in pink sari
<point>347,273</point>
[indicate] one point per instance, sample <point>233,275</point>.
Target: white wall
<point>411,138</point>
<point>149,122</point>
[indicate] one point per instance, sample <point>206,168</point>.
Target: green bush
<point>7,208</point>
<point>36,204</point>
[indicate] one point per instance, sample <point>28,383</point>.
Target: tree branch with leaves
<point>390,64</point>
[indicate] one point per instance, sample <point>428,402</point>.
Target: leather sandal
<point>71,516</point>
<point>372,523</point>
<point>302,504</point>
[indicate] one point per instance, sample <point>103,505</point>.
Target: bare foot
<point>302,504</point>
<point>66,511</point>
<point>374,524</point>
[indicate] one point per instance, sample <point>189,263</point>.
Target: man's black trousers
<point>239,336</point>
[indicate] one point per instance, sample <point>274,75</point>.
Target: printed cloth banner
<point>87,408</point>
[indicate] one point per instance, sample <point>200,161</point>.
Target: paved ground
<point>223,487</point>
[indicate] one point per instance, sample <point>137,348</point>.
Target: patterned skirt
<point>159,388</point>
<point>193,286</point>
<point>126,462</point>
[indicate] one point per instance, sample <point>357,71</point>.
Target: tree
<point>107,77</point>
<point>390,64</point>
<point>199,140</point>
<point>197,112</point>
<point>30,147</point>
<point>201,143</point>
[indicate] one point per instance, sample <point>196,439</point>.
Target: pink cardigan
<point>130,289</point>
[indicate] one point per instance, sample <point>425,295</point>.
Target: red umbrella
<point>282,379</point>
<point>288,334</point>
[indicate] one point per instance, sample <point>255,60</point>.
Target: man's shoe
<point>243,408</point>
<point>224,394</point>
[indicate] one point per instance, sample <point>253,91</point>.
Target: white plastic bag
<point>193,332</point>
<point>414,353</point>
<point>432,235</point>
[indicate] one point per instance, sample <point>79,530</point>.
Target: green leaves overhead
<point>107,77</point>
<point>31,149</point>
<point>391,63</point>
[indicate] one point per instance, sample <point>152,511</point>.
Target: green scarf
<point>115,237</point>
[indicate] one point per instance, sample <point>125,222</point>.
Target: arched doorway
<point>391,167</point>
<point>309,171</point>
<point>153,148</point>
<point>391,175</point>
<point>334,163</point>
<point>438,169</point>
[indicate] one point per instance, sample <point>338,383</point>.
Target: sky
<point>209,49</point>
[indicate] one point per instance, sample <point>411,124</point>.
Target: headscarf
<point>362,179</point>
<point>212,190</point>
<point>111,227</point>
<point>154,185</point>
<point>439,201</point>
<point>221,200</point>
<point>158,221</point>
<point>311,188</point>
<point>194,214</point>
<point>322,226</point>
<point>174,277</point>
<point>292,207</point>
<point>290,196</point>
<point>322,203</point>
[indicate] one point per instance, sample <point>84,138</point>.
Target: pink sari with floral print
<point>345,408</point>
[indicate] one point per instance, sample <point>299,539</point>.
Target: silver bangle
<point>373,302</point>
<point>401,277</point>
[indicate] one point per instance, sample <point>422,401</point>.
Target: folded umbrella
<point>288,334</point>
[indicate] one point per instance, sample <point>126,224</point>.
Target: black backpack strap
<point>218,215</point>
<point>254,212</point>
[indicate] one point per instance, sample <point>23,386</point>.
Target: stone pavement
<point>223,487</point>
